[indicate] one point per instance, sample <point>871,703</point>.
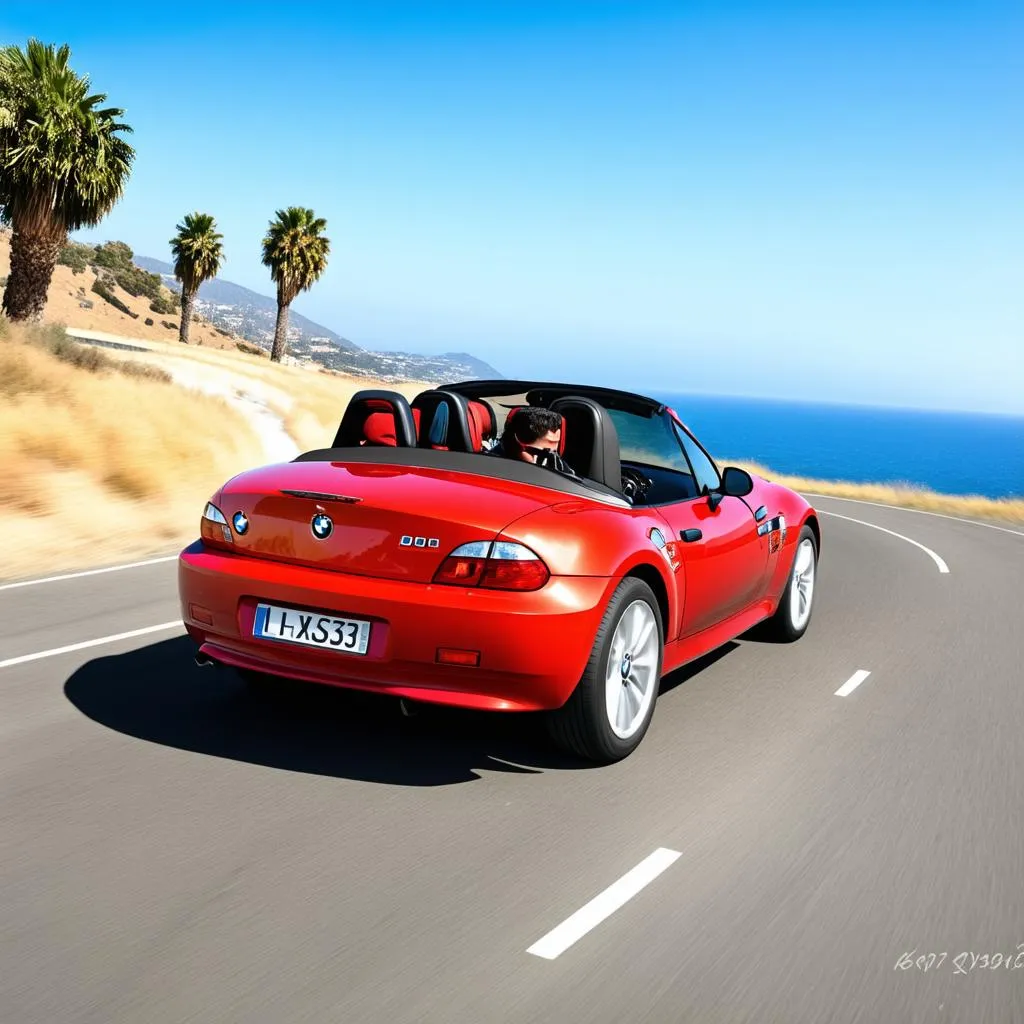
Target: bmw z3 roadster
<point>406,559</point>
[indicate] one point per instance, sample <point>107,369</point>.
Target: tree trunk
<point>32,261</point>
<point>188,300</point>
<point>280,335</point>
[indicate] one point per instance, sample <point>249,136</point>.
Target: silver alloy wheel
<point>631,673</point>
<point>801,592</point>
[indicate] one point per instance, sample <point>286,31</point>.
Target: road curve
<point>174,848</point>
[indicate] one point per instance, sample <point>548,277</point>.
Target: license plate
<point>351,636</point>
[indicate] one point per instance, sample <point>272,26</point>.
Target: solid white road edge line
<point>88,572</point>
<point>589,916</point>
<point>852,683</point>
<point>177,624</point>
<point>874,526</point>
<point>919,511</point>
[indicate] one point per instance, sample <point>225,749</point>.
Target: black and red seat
<point>482,414</point>
<point>377,418</point>
<point>445,421</point>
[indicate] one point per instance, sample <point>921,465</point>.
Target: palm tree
<point>63,165</point>
<point>296,251</point>
<point>198,254</point>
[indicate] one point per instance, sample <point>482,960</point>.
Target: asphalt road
<point>173,848</point>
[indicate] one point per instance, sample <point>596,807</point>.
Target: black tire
<point>581,725</point>
<point>781,627</point>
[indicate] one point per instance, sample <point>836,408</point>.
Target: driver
<point>532,434</point>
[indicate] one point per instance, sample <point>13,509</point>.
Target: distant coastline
<point>959,454</point>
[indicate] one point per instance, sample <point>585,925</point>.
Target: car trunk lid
<point>385,521</point>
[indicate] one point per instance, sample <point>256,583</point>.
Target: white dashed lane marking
<point>852,683</point>
<point>589,916</point>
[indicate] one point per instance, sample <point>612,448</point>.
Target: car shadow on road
<point>158,694</point>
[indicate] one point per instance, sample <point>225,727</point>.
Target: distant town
<point>252,316</point>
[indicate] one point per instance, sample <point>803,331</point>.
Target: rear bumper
<point>533,646</point>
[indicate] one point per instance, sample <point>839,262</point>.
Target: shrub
<point>164,305</point>
<point>76,256</point>
<point>113,256</point>
<point>138,282</point>
<point>148,321</point>
<point>248,349</point>
<point>101,286</point>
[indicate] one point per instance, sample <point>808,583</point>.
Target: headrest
<point>483,415</point>
<point>444,422</point>
<point>375,416</point>
<point>592,447</point>
<point>379,428</point>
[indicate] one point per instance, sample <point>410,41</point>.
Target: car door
<point>724,558</point>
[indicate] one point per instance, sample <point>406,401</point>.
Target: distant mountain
<point>250,314</point>
<point>253,316</point>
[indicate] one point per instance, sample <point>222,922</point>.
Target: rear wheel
<point>611,708</point>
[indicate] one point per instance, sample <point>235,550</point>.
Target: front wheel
<point>793,615</point>
<point>611,708</point>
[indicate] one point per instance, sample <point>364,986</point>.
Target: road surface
<point>799,817</point>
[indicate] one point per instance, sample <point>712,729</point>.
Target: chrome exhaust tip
<point>204,660</point>
<point>408,710</point>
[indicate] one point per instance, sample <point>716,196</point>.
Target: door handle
<point>691,535</point>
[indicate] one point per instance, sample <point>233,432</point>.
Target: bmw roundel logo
<point>322,526</point>
<point>240,522</point>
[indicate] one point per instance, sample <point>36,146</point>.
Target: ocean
<point>949,452</point>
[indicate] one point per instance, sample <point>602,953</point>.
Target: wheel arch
<point>811,520</point>
<point>650,575</point>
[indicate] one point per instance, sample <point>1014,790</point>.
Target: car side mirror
<point>736,483</point>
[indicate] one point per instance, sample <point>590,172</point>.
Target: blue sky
<point>796,200</point>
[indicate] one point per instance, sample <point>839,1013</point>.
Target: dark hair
<point>529,424</point>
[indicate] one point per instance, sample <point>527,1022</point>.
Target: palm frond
<point>197,249</point>
<point>296,251</point>
<point>63,162</point>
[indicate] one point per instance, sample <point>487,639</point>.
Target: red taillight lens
<point>464,571</point>
<point>525,575</point>
<point>501,565</point>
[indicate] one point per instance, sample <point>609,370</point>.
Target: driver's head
<point>531,430</point>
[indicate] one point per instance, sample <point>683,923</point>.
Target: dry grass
<point>1009,510</point>
<point>314,418</point>
<point>311,402</point>
<point>98,463</point>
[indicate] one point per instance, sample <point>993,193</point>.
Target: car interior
<point>445,420</point>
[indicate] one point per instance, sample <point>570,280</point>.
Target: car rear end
<point>394,579</point>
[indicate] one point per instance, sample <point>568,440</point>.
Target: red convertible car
<point>406,559</point>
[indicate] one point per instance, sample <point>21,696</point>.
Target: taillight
<point>214,526</point>
<point>501,565</point>
<point>465,565</point>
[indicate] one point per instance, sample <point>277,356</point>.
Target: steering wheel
<point>634,484</point>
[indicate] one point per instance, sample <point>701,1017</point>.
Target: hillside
<point>249,313</point>
<point>252,315</point>
<point>228,316</point>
